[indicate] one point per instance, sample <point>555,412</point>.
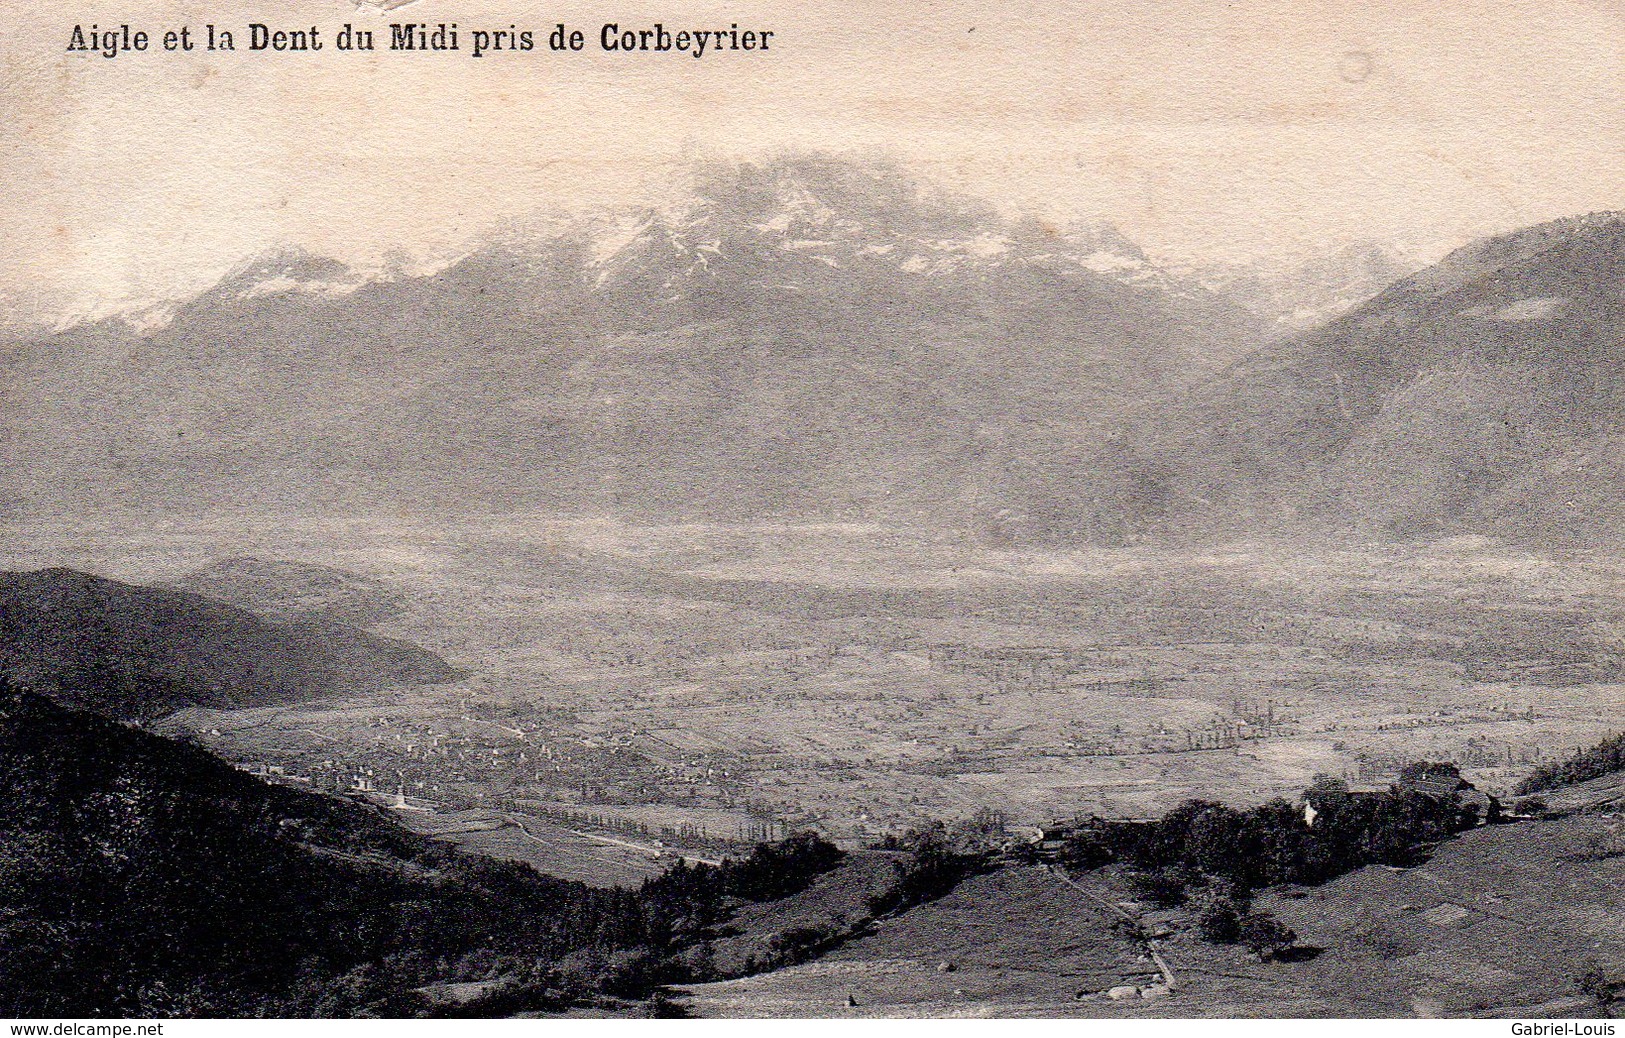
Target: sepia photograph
<point>610,511</point>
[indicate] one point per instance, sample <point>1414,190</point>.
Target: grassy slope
<point>1390,944</point>
<point>837,903</point>
<point>1018,941</point>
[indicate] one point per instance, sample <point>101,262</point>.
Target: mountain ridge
<point>1438,405</point>
<point>725,366</point>
<point>814,339</point>
<point>136,652</point>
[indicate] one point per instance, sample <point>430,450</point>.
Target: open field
<point>1015,941</point>
<point>551,849</point>
<point>707,686</point>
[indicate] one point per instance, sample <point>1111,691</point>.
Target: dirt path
<point>1117,910</point>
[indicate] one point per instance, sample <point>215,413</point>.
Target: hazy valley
<point>861,680</point>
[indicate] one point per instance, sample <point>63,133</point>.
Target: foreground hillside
<point>144,877</point>
<point>136,652</point>
<point>1504,921</point>
<point>1015,942</point>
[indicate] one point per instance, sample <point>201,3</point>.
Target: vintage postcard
<point>818,509</point>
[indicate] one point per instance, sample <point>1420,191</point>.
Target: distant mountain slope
<point>1310,292</point>
<point>1483,394</point>
<point>801,338</point>
<point>131,651</point>
<point>288,591</point>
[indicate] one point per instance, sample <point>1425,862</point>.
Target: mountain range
<point>818,339</point>
<point>806,338</point>
<point>1307,292</point>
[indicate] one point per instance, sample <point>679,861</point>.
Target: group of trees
<point>1605,758</point>
<point>939,857</point>
<point>682,903</point>
<point>1224,915</point>
<point>1213,857</point>
<point>1273,843</point>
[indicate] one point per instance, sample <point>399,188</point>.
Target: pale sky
<point>1202,129</point>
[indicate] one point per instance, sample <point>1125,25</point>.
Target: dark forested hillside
<point>131,651</point>
<point>141,873</point>
<point>144,877</point>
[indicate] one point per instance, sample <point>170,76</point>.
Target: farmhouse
<point>1444,785</point>
<point>1050,840</point>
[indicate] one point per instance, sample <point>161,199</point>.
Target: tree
<point>661,1006</point>
<point>1422,769</point>
<point>1163,887</point>
<point>1264,935</point>
<point>1086,849</point>
<point>990,822</point>
<point>933,869</point>
<point>1328,795</point>
<point>1219,910</point>
<point>1594,984</point>
<point>1214,840</point>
